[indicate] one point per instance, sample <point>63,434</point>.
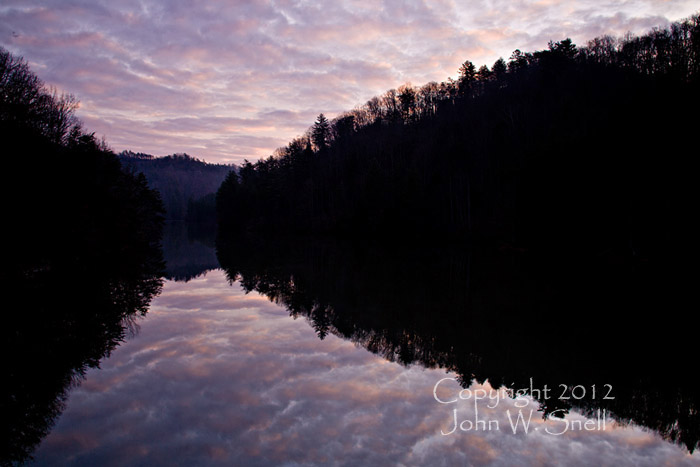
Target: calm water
<point>218,376</point>
<point>217,373</point>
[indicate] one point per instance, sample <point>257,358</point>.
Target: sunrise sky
<point>228,80</point>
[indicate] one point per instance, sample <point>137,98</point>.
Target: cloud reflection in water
<point>217,376</point>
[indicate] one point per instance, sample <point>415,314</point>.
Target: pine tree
<point>467,76</point>
<point>321,132</point>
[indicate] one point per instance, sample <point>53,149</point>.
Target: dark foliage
<point>562,148</point>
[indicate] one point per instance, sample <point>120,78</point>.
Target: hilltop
<point>186,184</point>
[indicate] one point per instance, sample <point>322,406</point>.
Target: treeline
<point>586,146</point>
<point>186,184</point>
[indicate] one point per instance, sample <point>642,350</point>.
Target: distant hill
<point>186,184</point>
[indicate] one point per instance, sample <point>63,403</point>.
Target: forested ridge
<point>186,184</point>
<point>72,186</point>
<point>587,147</point>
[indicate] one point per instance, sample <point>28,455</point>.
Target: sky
<point>239,382</point>
<point>225,81</point>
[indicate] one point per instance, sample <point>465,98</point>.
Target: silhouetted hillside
<point>82,259</point>
<point>186,184</point>
<point>587,148</point>
<point>69,181</point>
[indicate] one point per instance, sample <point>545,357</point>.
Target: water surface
<point>217,376</point>
<point>310,352</point>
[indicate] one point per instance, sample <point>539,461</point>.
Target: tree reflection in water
<point>500,314</point>
<point>69,311</point>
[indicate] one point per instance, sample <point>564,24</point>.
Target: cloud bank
<point>225,81</point>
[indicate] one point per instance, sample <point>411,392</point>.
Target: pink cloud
<point>140,67</point>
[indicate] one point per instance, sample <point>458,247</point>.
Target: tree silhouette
<point>407,100</point>
<point>467,77</point>
<point>28,104</point>
<point>499,69</point>
<point>320,134</point>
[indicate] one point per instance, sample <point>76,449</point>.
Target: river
<point>237,366</point>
